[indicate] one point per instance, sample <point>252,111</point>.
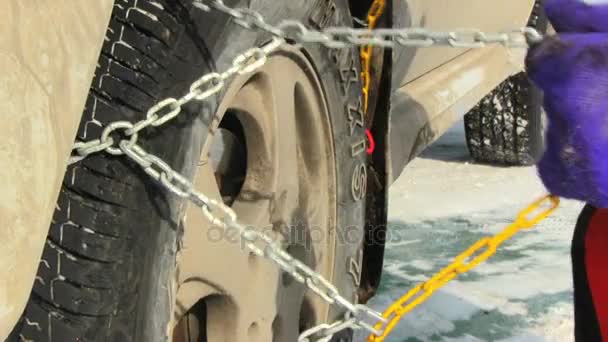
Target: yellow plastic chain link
<point>466,261</point>
<point>373,15</point>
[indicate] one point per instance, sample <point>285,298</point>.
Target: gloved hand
<point>572,70</point>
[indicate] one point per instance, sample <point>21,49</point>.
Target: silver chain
<point>169,108</point>
<point>345,37</point>
<point>357,316</point>
<point>258,243</point>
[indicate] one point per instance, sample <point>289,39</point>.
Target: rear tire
<point>108,268</point>
<point>506,128</point>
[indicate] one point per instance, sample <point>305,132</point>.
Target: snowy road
<point>442,204</point>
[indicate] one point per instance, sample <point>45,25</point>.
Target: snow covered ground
<point>439,206</point>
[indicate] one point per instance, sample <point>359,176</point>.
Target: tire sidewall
<point>223,40</point>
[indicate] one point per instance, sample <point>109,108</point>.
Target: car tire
<point>110,254</point>
<point>506,127</point>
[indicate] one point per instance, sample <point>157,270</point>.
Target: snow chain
<point>467,260</point>
<point>375,12</point>
<point>357,316</point>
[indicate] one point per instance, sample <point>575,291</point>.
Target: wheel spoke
<point>283,78</point>
<point>253,203</point>
<point>196,230</point>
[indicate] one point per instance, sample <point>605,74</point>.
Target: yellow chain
<point>463,263</point>
<point>373,15</point>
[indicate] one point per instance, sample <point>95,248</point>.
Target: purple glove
<point>572,70</point>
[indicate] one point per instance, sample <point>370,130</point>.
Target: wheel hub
<point>269,156</point>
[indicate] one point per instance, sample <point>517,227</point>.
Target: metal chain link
<point>169,108</point>
<point>476,254</point>
<point>373,15</point>
<point>345,37</point>
<point>258,243</point>
<point>357,316</point>
<point>324,332</point>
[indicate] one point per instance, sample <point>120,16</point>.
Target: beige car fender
<point>48,53</point>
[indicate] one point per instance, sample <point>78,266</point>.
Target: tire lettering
<point>354,267</point>
<point>323,13</point>
<point>359,182</point>
<point>358,148</point>
<point>355,116</point>
<point>349,76</point>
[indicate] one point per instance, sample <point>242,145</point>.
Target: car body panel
<point>48,53</point>
<point>449,15</point>
<point>421,111</point>
<point>432,88</point>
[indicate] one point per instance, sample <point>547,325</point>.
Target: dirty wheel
<point>506,127</point>
<point>283,146</point>
<point>271,159</point>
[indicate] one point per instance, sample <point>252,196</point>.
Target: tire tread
<point>81,276</point>
<point>505,127</point>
